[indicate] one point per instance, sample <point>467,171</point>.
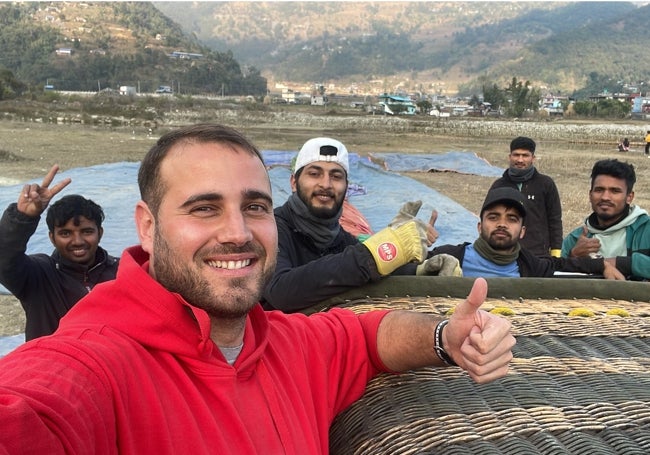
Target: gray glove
<point>441,265</point>
<point>408,212</point>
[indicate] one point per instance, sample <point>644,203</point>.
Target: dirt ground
<point>28,150</point>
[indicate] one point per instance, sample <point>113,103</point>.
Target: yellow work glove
<point>441,265</point>
<point>403,241</point>
<point>556,253</point>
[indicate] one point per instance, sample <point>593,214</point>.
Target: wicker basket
<point>577,385</point>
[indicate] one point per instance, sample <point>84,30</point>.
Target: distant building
<point>64,51</point>
<point>185,55</point>
<point>318,100</point>
<point>397,105</point>
<point>127,90</point>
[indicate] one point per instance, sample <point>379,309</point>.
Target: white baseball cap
<point>322,149</point>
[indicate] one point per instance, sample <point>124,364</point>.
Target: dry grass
<point>29,150</point>
<point>568,164</point>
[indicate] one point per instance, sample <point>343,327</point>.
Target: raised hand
<point>432,233</point>
<point>585,246</point>
<point>34,198</point>
<point>403,241</point>
<point>479,342</point>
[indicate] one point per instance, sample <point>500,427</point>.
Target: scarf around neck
<point>321,230</point>
<point>521,175</point>
<point>485,250</point>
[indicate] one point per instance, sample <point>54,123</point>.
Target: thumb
<point>474,300</point>
<point>411,208</point>
<point>585,231</point>
<point>434,218</point>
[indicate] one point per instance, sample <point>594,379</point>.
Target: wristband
<point>438,347</point>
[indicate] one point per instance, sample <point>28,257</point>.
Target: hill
<point>437,46</point>
<point>86,46</point>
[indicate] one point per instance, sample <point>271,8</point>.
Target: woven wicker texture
<point>577,385</point>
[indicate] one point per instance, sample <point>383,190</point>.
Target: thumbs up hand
<point>432,233</point>
<point>585,246</point>
<point>479,342</point>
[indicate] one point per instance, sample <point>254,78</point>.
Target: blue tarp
<point>461,162</point>
<point>378,195</point>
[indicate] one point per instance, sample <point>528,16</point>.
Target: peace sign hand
<point>34,198</point>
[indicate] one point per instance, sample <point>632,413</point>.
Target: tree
<point>424,105</point>
<point>521,98</point>
<point>494,95</point>
<point>10,87</point>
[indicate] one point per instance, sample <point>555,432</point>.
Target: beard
<point>321,211</point>
<point>501,244</point>
<point>235,298</point>
<point>607,216</point>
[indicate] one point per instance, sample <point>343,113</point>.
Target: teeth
<point>230,265</point>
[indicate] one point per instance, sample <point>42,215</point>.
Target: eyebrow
<point>216,197</point>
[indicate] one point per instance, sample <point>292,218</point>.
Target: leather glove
<point>441,265</point>
<point>403,241</point>
<point>393,247</point>
<point>406,213</point>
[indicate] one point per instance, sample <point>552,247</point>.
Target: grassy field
<point>28,150</point>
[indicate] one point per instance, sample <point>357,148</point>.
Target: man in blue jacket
<point>497,251</point>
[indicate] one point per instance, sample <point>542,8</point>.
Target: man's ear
<point>478,227</point>
<point>292,180</point>
<point>145,224</point>
<point>629,198</point>
<point>51,236</point>
<point>100,233</point>
<point>522,233</point>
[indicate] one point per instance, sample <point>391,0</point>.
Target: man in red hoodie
<point>177,356</point>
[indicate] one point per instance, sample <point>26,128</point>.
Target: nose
<point>77,238</point>
<point>234,229</point>
<point>325,181</point>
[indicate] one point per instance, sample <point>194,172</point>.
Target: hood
<point>633,214</point>
<point>139,307</point>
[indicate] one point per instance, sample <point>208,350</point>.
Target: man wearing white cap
<point>317,258</point>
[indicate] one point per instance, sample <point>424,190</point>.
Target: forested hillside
<point>86,46</point>
<point>559,45</point>
<point>234,47</point>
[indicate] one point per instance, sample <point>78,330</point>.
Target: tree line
<point>29,54</point>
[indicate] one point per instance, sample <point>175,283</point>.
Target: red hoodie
<point>132,370</point>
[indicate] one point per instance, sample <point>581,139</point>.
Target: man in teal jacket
<point>616,230</point>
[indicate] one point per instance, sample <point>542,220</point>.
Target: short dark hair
<point>617,169</point>
<point>72,207</point>
<point>149,181</point>
<point>524,143</point>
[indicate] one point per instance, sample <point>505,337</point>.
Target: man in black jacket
<point>541,197</point>
<point>48,286</point>
<point>317,258</point>
<point>497,251</point>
